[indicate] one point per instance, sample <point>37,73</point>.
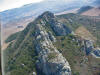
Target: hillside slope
<point>33,49</point>
<point>74,21</point>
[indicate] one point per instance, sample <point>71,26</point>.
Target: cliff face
<point>40,36</point>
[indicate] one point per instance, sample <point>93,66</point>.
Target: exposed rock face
<point>52,38</point>
<point>57,27</point>
<point>96,53</point>
<point>50,60</point>
<point>88,46</point>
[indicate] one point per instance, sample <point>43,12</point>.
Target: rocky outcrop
<point>88,46</point>
<point>57,27</point>
<point>96,53</point>
<point>50,60</point>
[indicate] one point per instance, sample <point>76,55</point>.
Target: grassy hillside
<point>12,37</point>
<point>73,52</point>
<point>70,50</point>
<point>74,21</point>
<point>84,33</point>
<point>20,55</point>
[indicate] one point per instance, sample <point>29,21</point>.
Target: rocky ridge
<point>50,60</point>
<point>39,36</point>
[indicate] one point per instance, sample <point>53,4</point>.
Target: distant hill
<point>89,11</point>
<point>84,9</point>
<point>92,12</point>
<point>35,9</point>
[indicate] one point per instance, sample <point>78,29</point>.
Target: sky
<point>9,4</point>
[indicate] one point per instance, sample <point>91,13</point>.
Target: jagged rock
<point>96,53</point>
<point>52,38</point>
<point>57,27</point>
<point>50,60</point>
<point>88,46</point>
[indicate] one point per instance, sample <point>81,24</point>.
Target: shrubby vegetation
<point>12,37</point>
<point>51,56</point>
<point>70,50</point>
<point>76,20</point>
<point>20,56</point>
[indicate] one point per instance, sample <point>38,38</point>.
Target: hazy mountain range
<point>35,9</point>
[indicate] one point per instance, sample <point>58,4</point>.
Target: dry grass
<point>12,28</point>
<point>84,33</point>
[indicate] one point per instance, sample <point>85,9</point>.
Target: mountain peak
<point>47,14</point>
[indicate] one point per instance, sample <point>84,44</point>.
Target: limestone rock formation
<point>50,60</point>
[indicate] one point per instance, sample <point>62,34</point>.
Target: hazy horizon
<point>10,4</point>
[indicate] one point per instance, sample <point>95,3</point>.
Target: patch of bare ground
<point>4,46</point>
<point>84,33</point>
<point>11,28</point>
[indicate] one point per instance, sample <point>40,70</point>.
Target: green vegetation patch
<point>12,37</point>
<point>70,50</point>
<point>52,56</point>
<point>20,56</point>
